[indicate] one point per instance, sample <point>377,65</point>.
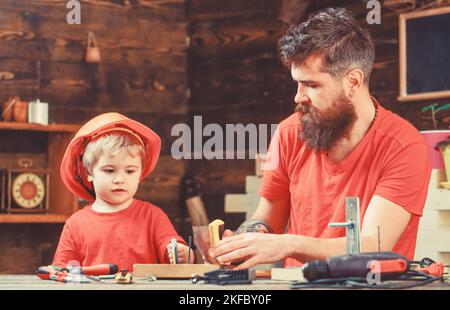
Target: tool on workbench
<point>95,270</point>
<point>189,250</point>
<point>429,266</point>
<point>388,264</point>
<point>216,229</point>
<point>361,269</point>
<point>124,277</point>
<point>364,270</point>
<point>223,277</point>
<point>173,251</point>
<point>57,273</point>
<point>68,278</point>
<point>44,272</point>
<point>352,225</point>
<point>95,279</point>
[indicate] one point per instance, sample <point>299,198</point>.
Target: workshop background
<point>162,62</point>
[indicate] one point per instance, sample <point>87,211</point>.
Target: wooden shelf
<point>33,218</point>
<point>38,127</point>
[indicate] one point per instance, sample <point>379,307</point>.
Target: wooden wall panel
<point>142,75</point>
<point>235,77</point>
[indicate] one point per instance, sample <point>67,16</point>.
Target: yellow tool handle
<point>216,229</point>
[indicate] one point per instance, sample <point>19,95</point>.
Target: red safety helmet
<point>74,174</point>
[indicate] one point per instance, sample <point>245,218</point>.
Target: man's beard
<point>322,130</point>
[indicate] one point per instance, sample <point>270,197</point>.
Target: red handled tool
<point>58,273</point>
<point>98,270</point>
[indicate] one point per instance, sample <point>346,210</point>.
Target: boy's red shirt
<point>138,234</point>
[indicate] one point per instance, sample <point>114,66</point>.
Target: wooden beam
<point>172,271</point>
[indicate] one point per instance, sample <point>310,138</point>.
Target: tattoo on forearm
<point>254,226</point>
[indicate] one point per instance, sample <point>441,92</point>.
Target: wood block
<point>435,220</point>
<point>288,274</point>
<point>438,199</point>
<point>252,183</point>
<point>433,241</point>
<point>437,176</point>
<point>240,203</point>
<point>171,271</point>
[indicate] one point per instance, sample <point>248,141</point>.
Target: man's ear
<point>355,80</point>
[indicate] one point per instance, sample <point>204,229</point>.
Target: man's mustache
<point>303,108</point>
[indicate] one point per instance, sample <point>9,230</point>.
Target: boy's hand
<point>182,254</point>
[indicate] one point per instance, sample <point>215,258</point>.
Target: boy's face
<point>116,177</point>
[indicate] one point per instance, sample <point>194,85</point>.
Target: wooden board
<point>172,271</point>
<point>288,274</point>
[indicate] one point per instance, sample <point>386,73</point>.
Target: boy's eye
<point>131,171</point>
<point>108,170</point>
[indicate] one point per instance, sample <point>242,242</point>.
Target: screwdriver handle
<point>101,269</point>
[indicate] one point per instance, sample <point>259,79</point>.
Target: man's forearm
<point>254,225</point>
<point>307,248</point>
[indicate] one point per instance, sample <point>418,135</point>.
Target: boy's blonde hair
<point>111,144</point>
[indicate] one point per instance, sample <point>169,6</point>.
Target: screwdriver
<point>44,272</point>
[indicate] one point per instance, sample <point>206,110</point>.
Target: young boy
<point>104,164</point>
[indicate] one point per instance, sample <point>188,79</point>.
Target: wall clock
<point>28,190</point>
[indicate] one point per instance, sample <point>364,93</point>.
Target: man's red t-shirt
<point>137,234</point>
<point>390,161</point>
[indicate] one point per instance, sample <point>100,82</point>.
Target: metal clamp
<point>352,225</point>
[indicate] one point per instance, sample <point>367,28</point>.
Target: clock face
<point>28,190</point>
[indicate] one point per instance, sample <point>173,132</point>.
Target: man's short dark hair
<point>334,34</point>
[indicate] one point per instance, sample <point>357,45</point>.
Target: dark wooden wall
<point>142,75</point>
<point>231,69</point>
<point>235,76</point>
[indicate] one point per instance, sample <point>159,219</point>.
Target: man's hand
<point>253,248</point>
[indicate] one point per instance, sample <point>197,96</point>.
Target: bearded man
<point>339,143</point>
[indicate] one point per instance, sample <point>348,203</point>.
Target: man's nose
<point>300,96</point>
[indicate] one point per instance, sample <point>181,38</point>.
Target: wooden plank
<point>136,27</point>
<point>172,271</point>
<point>212,10</point>
<point>33,218</point>
<point>252,183</point>
<point>435,219</point>
<point>231,38</point>
<point>288,274</point>
<point>69,128</point>
<point>438,199</point>
<point>247,203</point>
<point>437,240</point>
<point>437,177</point>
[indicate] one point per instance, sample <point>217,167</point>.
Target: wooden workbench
<point>31,282</point>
